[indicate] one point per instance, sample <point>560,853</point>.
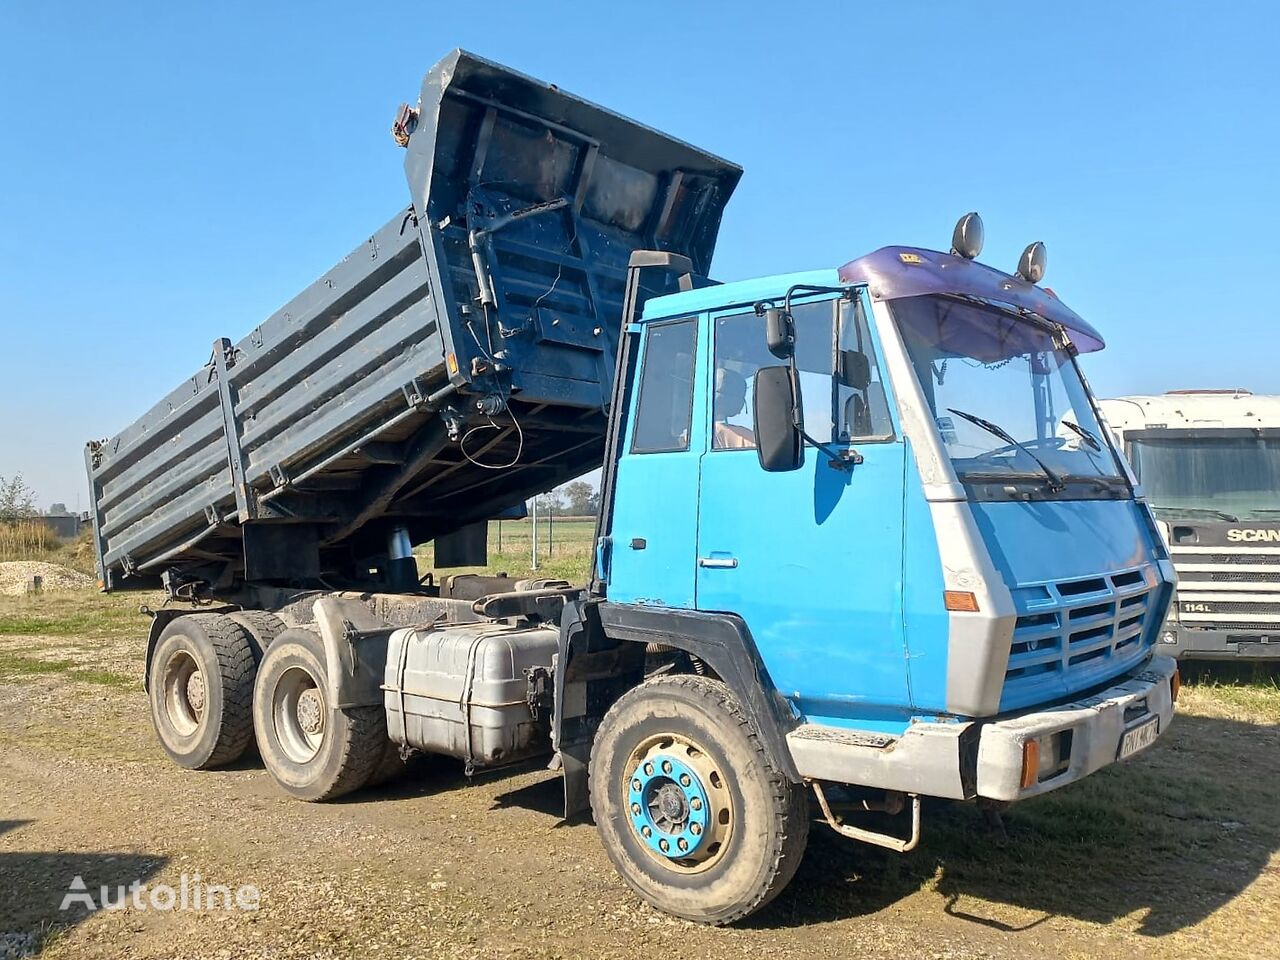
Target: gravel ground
<point>439,866</point>
<point>14,575</point>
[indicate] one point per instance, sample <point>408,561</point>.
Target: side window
<point>665,405</point>
<point>862,406</point>
<point>740,351</point>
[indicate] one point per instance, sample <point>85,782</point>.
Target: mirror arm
<point>840,459</point>
<point>846,292</point>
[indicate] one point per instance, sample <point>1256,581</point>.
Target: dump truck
<point>1209,462</point>
<point>862,541</point>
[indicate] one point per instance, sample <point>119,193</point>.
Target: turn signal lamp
<point>1175,685</point>
<point>961,601</point>
<point>1030,763</point>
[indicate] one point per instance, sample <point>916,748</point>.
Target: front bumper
<point>1210,643</point>
<point>1096,725</point>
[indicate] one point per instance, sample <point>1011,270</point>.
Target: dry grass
<point>32,540</point>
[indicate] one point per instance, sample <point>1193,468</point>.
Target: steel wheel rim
<point>299,715</point>
<point>677,803</point>
<point>183,693</point>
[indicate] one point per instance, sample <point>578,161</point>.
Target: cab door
<point>655,511</point>
<point>810,559</point>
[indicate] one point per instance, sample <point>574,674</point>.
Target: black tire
<point>201,690</point>
<point>390,767</point>
<point>768,816</point>
<point>261,626</point>
<point>313,751</point>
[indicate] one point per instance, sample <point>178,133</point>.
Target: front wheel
<point>689,808</point>
<point>313,750</point>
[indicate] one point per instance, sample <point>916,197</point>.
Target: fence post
<point>534,538</point>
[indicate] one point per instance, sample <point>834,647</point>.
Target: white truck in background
<point>1209,461</point>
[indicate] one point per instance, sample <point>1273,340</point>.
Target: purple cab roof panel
<point>892,273</point>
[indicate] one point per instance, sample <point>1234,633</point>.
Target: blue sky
<point>174,172</point>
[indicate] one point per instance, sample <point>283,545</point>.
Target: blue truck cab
<point>947,580</point>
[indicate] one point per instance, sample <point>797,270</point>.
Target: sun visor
<point>893,273</point>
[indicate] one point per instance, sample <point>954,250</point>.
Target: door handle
<point>728,563</point>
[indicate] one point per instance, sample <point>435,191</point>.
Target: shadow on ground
<point>34,885</point>
<point>1173,836</point>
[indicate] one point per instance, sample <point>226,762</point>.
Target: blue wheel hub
<point>668,806</point>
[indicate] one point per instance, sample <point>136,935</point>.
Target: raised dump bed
<point>455,363</point>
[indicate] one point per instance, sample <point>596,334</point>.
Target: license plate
<point>1138,738</point>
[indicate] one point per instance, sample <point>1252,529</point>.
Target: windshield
<point>1008,402</point>
<point>1227,477</point>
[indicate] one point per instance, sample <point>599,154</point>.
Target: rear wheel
<point>313,750</point>
<point>261,626</point>
<point>390,767</point>
<point>690,810</point>
<point>200,685</point>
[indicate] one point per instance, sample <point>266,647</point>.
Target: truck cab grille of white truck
<point>1230,576</point>
<point>1232,588</point>
<point>1071,634</point>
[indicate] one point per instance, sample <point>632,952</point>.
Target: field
<point>565,545</point>
<point>1175,854</point>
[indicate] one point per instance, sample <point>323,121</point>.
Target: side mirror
<point>854,369</point>
<point>779,333</point>
<point>775,403</point>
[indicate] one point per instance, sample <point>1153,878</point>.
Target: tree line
<point>575,499</point>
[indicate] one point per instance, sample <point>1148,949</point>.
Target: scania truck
<point>1209,461</point>
<point>863,537</point>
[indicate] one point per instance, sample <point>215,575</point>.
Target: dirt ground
<point>1172,855</point>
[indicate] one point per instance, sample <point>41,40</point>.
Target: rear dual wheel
<point>313,749</point>
<point>200,684</point>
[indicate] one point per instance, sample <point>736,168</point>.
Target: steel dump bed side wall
<point>326,368</point>
<point>341,414</point>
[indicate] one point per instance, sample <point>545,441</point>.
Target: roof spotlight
<point>1032,262</point>
<point>966,240</point>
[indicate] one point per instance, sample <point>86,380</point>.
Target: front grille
<point>1237,606</point>
<point>1270,628</point>
<point>1072,633</point>
<point>1229,576</point>
<point>1251,556</point>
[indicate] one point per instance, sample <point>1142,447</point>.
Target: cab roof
<point>1198,410</point>
<point>737,293</point>
<point>894,273</point>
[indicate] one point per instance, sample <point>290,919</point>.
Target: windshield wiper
<point>1055,481</point>
<point>1208,511</point>
<point>1083,434</point>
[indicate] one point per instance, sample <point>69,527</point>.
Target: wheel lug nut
<point>696,803</point>
<point>664,845</point>
<point>684,780</point>
<point>695,829</point>
<point>682,844</point>
<point>648,769</point>
<point>646,832</point>
<point>635,808</point>
<point>636,785</point>
<point>666,766</point>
